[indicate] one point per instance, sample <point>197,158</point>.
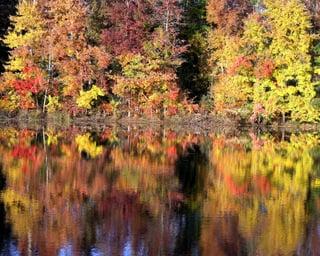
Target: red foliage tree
<point>33,81</point>
<point>130,23</point>
<point>228,14</point>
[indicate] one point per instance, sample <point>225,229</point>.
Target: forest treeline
<point>258,60</point>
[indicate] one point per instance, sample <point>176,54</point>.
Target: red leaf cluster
<point>172,153</point>
<point>129,22</point>
<point>174,94</point>
<point>25,86</point>
<point>263,184</point>
<point>25,152</point>
<point>241,63</point>
<point>236,189</point>
<point>265,70</point>
<point>172,110</point>
<point>228,15</point>
<point>33,81</point>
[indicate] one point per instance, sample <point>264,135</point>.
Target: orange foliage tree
<point>72,62</point>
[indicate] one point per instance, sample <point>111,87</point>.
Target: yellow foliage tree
<point>267,69</point>
<point>24,40</point>
<point>26,35</point>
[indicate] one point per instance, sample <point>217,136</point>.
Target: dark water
<point>150,192</point>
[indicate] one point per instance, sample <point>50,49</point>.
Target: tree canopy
<point>257,60</point>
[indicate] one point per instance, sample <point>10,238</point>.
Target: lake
<point>118,191</point>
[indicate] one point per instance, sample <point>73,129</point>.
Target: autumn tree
<point>129,24</point>
<point>148,81</point>
<point>228,14</point>
<point>314,10</point>
<point>23,79</point>
<point>224,43</point>
<point>289,90</point>
<point>143,40</point>
<point>71,60</point>
<point>267,68</point>
<point>53,58</point>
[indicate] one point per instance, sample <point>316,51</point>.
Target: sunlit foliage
<point>86,98</point>
<point>266,67</point>
<point>256,60</point>
<point>23,79</point>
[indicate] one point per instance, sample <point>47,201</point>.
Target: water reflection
<point>116,192</point>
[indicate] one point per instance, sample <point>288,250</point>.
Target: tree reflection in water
<point>158,193</point>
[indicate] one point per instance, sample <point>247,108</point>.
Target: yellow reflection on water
<point>167,193</point>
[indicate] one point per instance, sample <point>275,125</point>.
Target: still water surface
<point>115,192</point>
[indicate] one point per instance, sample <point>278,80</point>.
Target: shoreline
<point>196,123</point>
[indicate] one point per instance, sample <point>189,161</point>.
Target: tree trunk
<point>129,108</point>
<point>283,117</point>
<point>44,101</point>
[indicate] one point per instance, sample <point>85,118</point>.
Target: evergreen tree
<point>7,8</point>
<point>193,73</point>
